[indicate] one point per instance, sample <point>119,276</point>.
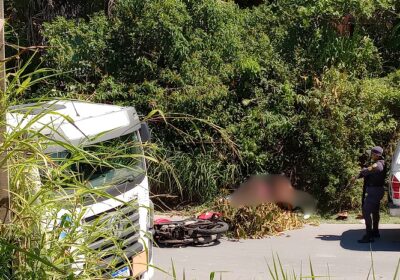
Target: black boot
<point>376,234</point>
<point>368,238</point>
<point>375,225</point>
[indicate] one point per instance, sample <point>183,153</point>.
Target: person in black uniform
<point>374,180</point>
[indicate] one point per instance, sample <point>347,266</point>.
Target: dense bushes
<point>297,88</point>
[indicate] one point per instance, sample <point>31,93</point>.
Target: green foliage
<point>203,183</point>
<point>295,94</point>
<point>342,119</point>
<point>85,52</point>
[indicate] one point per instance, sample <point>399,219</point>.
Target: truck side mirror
<point>145,134</point>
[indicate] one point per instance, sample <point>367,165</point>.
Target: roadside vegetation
<point>293,86</point>
<point>258,222</point>
<point>301,87</point>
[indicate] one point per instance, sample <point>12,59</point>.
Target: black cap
<point>377,150</point>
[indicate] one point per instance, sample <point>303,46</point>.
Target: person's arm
<point>374,168</point>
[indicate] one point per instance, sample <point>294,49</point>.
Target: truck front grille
<point>119,241</point>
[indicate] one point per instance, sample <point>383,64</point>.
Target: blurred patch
<point>277,189</point>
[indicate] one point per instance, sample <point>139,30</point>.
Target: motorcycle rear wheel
<point>214,228</point>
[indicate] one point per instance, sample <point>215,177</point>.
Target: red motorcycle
<point>206,228</point>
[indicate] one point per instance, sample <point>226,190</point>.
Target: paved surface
<point>332,245</point>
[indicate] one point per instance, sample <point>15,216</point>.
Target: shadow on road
<point>389,240</point>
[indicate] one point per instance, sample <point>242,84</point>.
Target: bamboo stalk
<point>4,186</point>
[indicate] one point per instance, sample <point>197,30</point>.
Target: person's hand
<point>352,180</point>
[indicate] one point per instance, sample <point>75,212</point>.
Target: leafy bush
<point>294,92</point>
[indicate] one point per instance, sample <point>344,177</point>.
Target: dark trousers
<point>363,197</point>
<point>371,208</point>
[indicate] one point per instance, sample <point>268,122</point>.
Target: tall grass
<point>199,173</point>
<point>276,271</point>
<point>199,178</point>
<point>46,237</point>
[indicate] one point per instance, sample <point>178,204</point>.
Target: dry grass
<point>257,222</point>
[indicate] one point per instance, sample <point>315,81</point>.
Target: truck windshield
<point>114,161</point>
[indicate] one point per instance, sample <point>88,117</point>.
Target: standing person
<point>360,216</point>
<point>374,180</point>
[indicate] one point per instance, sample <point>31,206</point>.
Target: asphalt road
<point>332,248</point>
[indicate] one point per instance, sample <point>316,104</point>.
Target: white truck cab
<point>79,124</point>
